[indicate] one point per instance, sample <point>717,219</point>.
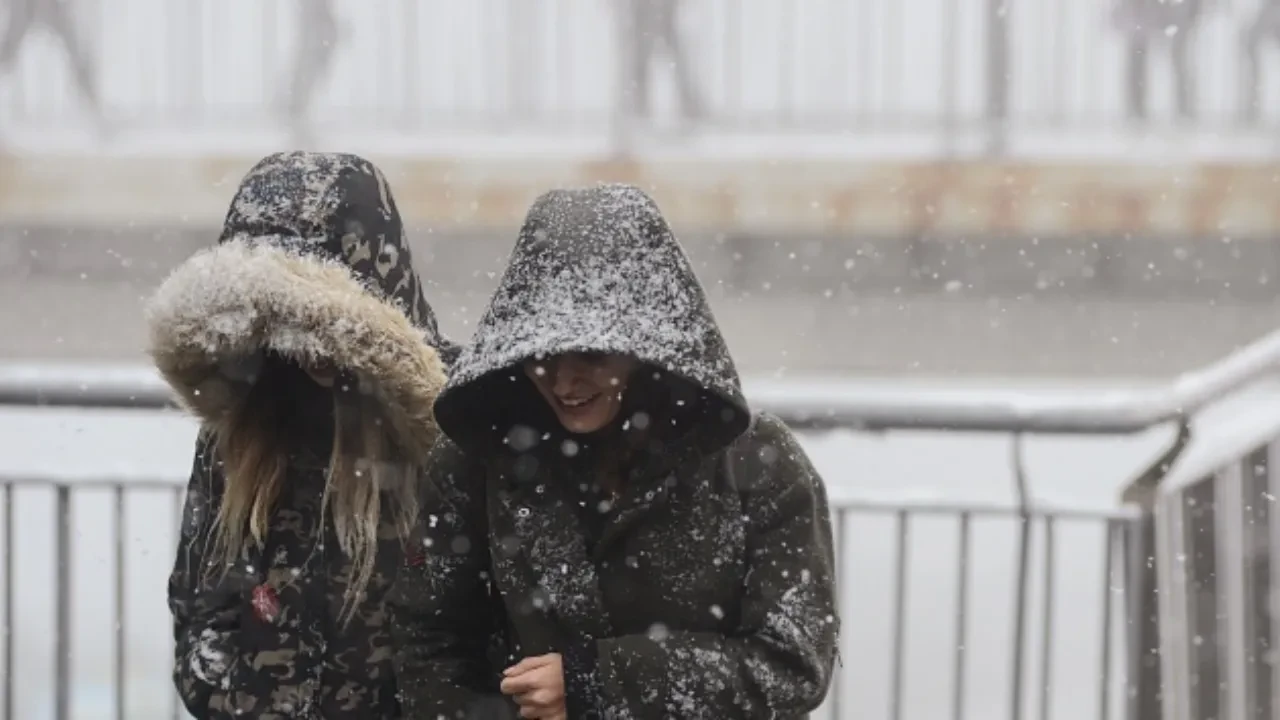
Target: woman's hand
<point>537,686</point>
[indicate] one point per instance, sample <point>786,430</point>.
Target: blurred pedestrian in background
<point>318,38</point>
<point>1166,23</point>
<point>648,28</point>
<point>58,18</point>
<point>1262,28</point>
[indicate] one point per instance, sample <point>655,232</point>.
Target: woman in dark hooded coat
<point>660,551</point>
<point>303,344</point>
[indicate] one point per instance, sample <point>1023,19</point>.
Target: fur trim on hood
<point>298,298</point>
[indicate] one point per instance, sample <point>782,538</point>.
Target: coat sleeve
<point>204,623</point>
<point>442,611</point>
<point>779,662</point>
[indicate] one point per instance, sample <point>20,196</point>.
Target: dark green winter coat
<point>312,264</point>
<point>706,590</point>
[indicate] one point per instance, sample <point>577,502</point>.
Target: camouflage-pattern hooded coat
<point>312,264</point>
<point>706,590</point>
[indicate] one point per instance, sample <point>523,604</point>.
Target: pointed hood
<point>312,264</point>
<point>595,270</point>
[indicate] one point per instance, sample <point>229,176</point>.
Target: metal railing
<point>65,591</point>
<point>1117,550</point>
<point>1130,537</point>
<point>949,71</point>
<point>1219,532</point>
<point>803,404</point>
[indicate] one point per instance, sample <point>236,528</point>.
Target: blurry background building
<point>1045,187</point>
<point>883,190</point>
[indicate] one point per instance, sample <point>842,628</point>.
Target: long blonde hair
<point>364,465</point>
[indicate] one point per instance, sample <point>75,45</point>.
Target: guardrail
<point>1117,543</point>
<point>803,404</point>
<point>1107,414</point>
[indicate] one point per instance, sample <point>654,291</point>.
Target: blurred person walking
<point>57,17</point>
<point>525,64</point>
<point>646,27</point>
<point>1264,27</point>
<point>303,344</point>
<point>1146,24</point>
<point>318,38</point>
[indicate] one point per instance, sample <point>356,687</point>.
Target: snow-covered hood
<point>594,270</point>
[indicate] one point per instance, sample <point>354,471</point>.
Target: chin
<point>582,426</point>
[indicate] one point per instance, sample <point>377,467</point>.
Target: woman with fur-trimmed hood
<point>304,345</point>
<point>661,551</point>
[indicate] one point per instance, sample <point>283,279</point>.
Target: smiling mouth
<point>576,403</point>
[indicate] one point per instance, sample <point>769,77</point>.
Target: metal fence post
<point>62,629</point>
<point>9,596</point>
<point>1145,696</point>
<point>121,638</point>
<point>1113,535</point>
<point>1023,496</point>
<point>997,74</point>
<point>1145,699</point>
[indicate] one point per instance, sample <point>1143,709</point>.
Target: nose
<point>566,375</point>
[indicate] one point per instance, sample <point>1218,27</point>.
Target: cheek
<point>540,383</point>
<point>613,378</point>
<point>537,374</point>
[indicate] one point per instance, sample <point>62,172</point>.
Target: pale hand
<point>537,686</point>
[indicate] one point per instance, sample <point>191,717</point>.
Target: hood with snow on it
<point>313,265</point>
<point>596,270</point>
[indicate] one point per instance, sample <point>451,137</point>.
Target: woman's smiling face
<point>583,389</point>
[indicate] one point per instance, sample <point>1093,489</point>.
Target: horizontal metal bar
<point>84,386</point>
<point>853,505</point>
<point>1107,412</point>
<point>802,404</point>
<point>105,485</point>
<point>889,506</point>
